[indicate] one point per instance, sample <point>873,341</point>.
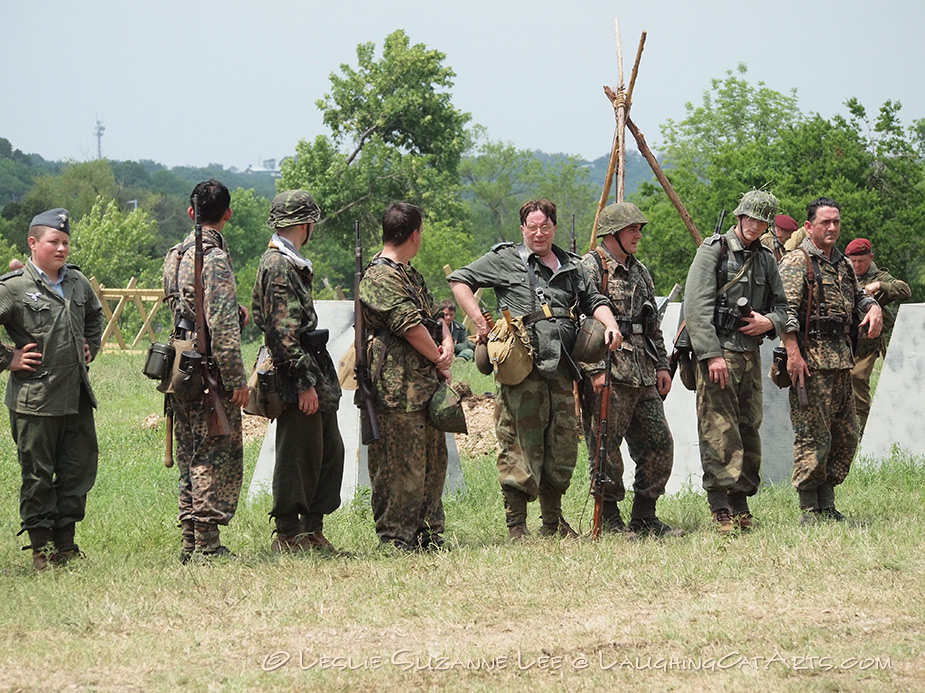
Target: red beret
<point>859,246</point>
<point>785,223</point>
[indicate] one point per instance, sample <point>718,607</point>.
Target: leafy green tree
<point>114,245</point>
<point>498,178</point>
<point>395,135</point>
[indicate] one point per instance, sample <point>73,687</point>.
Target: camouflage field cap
<point>757,204</point>
<point>291,208</point>
<point>445,410</point>
<point>616,217</point>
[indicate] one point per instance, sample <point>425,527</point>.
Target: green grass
<point>702,612</point>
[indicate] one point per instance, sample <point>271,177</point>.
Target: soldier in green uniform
<point>639,374</point>
<point>535,420</point>
<point>461,346</point>
<point>211,468</point>
<point>819,358</point>
<point>55,322</point>
<point>410,353</point>
<point>725,343</point>
<point>309,448</point>
<point>885,288</point>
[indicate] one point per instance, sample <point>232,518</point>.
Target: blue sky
<point>233,82</point>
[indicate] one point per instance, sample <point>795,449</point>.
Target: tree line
<point>395,134</point>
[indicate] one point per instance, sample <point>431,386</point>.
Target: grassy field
<point>822,608</point>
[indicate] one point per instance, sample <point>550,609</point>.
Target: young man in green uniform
<point>535,420</point>
<point>729,267</point>
<point>639,374</point>
<point>211,467</point>
<point>55,321</point>
<point>309,448</point>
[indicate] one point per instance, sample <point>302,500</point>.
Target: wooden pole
<point>660,175</point>
<point>621,121</point>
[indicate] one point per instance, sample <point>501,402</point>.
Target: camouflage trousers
<point>637,415</point>
<point>728,423</point>
<point>211,468</point>
<point>407,472</point>
<point>58,457</point>
<point>308,470</point>
<point>825,431</point>
<point>537,433</point>
<point>860,380</point>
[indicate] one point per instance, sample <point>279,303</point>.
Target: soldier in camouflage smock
<point>885,288</point>
<point>55,321</point>
<point>639,374</point>
<point>211,468</point>
<point>725,344</point>
<point>819,357</point>
<point>407,464</point>
<point>535,420</point>
<point>309,448</point>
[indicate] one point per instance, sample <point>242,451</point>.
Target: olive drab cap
<point>759,205</point>
<point>291,208</point>
<point>616,217</point>
<point>58,218</point>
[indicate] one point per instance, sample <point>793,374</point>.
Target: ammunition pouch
<point>828,326</point>
<point>316,340</point>
<point>725,318</point>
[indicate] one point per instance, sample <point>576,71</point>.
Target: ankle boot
<point>644,521</point>
<point>515,510</point>
<point>40,540</point>
<point>65,548</point>
<point>611,520</point>
<point>553,522</point>
<point>188,539</point>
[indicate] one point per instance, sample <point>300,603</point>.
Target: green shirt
<point>566,288</point>
<point>32,311</point>
<point>761,284</point>
<point>891,289</point>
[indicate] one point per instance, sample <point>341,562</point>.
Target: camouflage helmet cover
<point>759,205</point>
<point>291,208</point>
<point>616,217</point>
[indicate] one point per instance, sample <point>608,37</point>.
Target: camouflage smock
<point>632,293</point>
<point>32,311</point>
<point>394,296</point>
<point>220,299</point>
<point>891,289</point>
<point>761,284</point>
<point>842,296</point>
<point>503,270</point>
<point>283,308</point>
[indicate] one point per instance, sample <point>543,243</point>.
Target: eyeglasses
<point>533,228</point>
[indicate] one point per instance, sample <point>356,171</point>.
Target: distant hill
<point>637,171</point>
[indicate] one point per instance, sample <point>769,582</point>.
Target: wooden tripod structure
<point>621,99</point>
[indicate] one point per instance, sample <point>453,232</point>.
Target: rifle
<point>369,426</point>
<point>599,481</point>
<point>718,229</point>
<point>216,418</point>
<point>571,246</point>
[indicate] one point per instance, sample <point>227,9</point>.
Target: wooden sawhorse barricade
<point>129,294</point>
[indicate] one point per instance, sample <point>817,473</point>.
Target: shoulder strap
<point>602,264</point>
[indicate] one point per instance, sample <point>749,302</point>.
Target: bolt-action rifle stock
<point>216,419</point>
<point>369,426</point>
